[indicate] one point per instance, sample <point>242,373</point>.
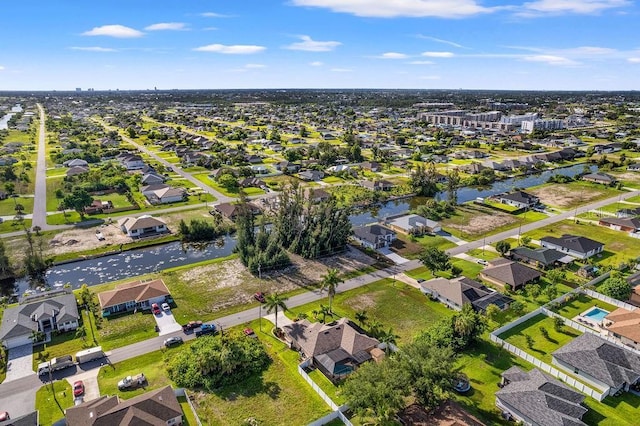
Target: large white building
<point>538,124</point>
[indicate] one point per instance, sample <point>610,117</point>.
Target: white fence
<point>609,300</point>
<point>183,392</point>
<point>319,391</point>
<point>519,321</point>
<point>549,369</point>
<point>332,416</point>
<point>337,411</point>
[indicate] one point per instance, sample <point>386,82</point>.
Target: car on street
<point>173,341</point>
<point>190,326</point>
<point>4,416</point>
<point>249,332</point>
<point>259,296</point>
<point>482,262</point>
<point>155,308</point>
<point>166,307</point>
<point>206,329</point>
<point>78,388</point>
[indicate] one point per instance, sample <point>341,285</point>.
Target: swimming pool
<point>596,314</point>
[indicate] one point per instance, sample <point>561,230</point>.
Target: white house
<point>143,225</point>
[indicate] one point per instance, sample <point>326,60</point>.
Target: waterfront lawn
<point>618,246</point>
<point>393,303</point>
<point>51,404</point>
<point>580,304</point>
<point>542,346</point>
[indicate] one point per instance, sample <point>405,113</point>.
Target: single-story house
<point>509,272</point>
<point>98,206</point>
<point>231,211</point>
<point>458,291</point>
<point>519,199</point>
<point>372,166</point>
<point>624,324</point>
<point>311,175</point>
<point>541,257</point>
<point>156,407</point>
<point>131,161</point>
<point>56,310</point>
<point>413,224</point>
<point>601,178</point>
<point>77,170</point>
<point>252,182</point>
<point>378,185</point>
<point>76,162</point>
<point>576,246</point>
<point>626,224</point>
<point>634,298</point>
<point>163,194</point>
<point>597,362</point>
<point>152,178</point>
<point>142,225</point>
<point>374,236</point>
<point>634,167</point>
<point>316,195</point>
<point>132,296</point>
<point>336,349</point>
<point>534,398</point>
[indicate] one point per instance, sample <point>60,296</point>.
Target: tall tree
<point>424,180</point>
<point>275,301</point>
<point>361,317</point>
<point>453,183</point>
<point>435,260</point>
<point>330,282</point>
<point>617,287</point>
<point>77,200</point>
<point>503,247</point>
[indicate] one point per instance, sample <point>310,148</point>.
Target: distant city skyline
<point>400,44</point>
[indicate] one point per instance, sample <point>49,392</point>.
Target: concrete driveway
<point>90,380</point>
<point>20,363</point>
<point>395,257</point>
<point>167,323</point>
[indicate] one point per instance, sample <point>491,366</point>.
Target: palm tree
<point>330,282</point>
<point>375,328</point>
<point>465,322</point>
<point>324,311</point>
<point>273,302</point>
<point>36,335</point>
<point>388,337</point>
<point>361,317</point>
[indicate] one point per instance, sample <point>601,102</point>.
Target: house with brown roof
<point>137,227</point>
<point>457,292</point>
<point>159,407</point>
<point>507,272</point>
<point>131,296</point>
<point>336,349</point>
<point>231,210</point>
<point>624,325</point>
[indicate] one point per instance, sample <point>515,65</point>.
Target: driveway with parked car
<point>166,322</point>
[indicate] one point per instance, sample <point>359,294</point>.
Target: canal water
<point>152,259</point>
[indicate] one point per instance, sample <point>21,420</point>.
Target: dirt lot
<point>85,239</point>
<point>481,221</point>
<point>564,196</point>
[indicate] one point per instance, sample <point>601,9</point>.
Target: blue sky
<point>423,44</point>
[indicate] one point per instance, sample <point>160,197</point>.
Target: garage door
<point>14,342</point>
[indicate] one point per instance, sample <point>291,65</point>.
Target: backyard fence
<point>183,392</point>
<point>519,321</point>
<point>337,411</point>
<point>549,369</point>
<point>609,300</point>
<point>319,391</point>
<point>332,416</point>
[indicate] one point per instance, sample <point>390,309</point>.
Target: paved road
<point>40,200</point>
<point>221,197</point>
<point>25,388</point>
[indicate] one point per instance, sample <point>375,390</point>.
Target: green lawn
<point>8,206</point>
<point>126,329</point>
<point>189,418</point>
<point>469,269</point>
<point>581,304</point>
<point>14,226</point>
<point>152,365</point>
<point>542,346</point>
<point>327,386</point>
<point>618,246</point>
<point>51,404</point>
<point>393,304</point>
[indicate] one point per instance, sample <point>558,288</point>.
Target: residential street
<point>39,217</point>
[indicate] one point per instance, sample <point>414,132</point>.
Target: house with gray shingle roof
<point>336,348</point>
<point>535,398</point>
<point>541,257</point>
<point>576,246</point>
<point>597,362</point>
<point>374,236</point>
<point>45,313</point>
<point>509,272</point>
<point>455,293</point>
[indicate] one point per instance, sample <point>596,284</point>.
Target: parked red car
<point>155,308</point>
<point>78,388</point>
<point>259,296</point>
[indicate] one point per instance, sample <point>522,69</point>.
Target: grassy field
<point>51,404</point>
<point>469,270</point>
<point>581,304</point>
<point>542,346</point>
<point>126,329</point>
<point>189,418</point>
<point>393,304</point>
<point>8,206</point>
<point>618,246</point>
<point>152,365</point>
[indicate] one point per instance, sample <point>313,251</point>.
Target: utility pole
<point>259,271</point>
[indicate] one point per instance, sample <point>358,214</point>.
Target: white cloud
<point>167,26</point>
<point>117,31</point>
<point>634,60</point>
<point>316,64</point>
<point>93,49</point>
<point>1,68</point>
<point>310,45</point>
<point>213,15</point>
<point>541,7</point>
<point>236,49</point>
<point>392,55</point>
<point>592,50</point>
<point>400,8</point>
<point>421,63</point>
<point>438,54</point>
<point>550,60</point>
<point>439,40</point>
<point>210,29</point>
<point>341,70</point>
<point>430,77</point>
<point>255,66</point>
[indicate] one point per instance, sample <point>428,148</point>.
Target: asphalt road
<point>40,200</point>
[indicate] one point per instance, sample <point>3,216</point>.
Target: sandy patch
<point>484,223</point>
<point>85,239</point>
<point>363,302</point>
<point>564,196</point>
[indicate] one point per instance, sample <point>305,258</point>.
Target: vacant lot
<point>569,195</point>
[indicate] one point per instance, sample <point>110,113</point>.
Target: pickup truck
<point>55,364</point>
<point>132,382</point>
<point>205,329</point>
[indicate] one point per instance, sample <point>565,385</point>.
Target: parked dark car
<point>259,296</point>
<point>190,326</point>
<point>173,341</point>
